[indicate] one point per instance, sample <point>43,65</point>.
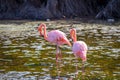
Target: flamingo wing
<point>79,48</point>
<point>57,37</point>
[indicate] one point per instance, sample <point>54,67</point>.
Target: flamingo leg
<point>57,53</point>
<point>76,62</point>
<point>58,62</point>
<point>83,67</point>
<point>58,72</point>
<point>60,54</point>
<point>83,70</point>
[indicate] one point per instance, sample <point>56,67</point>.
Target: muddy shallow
<point>24,55</point>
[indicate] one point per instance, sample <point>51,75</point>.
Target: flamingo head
<point>82,55</point>
<point>40,29</point>
<point>84,58</point>
<point>73,34</point>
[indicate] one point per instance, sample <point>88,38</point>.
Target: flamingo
<point>55,36</point>
<point>79,48</point>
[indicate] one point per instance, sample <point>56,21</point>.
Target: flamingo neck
<point>74,36</point>
<point>45,34</point>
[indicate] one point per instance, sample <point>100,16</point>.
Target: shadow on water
<point>24,55</point>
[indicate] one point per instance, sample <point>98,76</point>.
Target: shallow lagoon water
<point>24,55</point>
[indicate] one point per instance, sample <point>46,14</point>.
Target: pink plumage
<point>54,36</point>
<point>57,37</point>
<point>79,47</point>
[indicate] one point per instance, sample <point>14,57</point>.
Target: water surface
<point>24,55</point>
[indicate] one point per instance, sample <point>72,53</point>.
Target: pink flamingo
<point>79,48</point>
<point>54,36</point>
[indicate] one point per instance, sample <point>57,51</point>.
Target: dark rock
<point>111,11</point>
<point>57,9</point>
